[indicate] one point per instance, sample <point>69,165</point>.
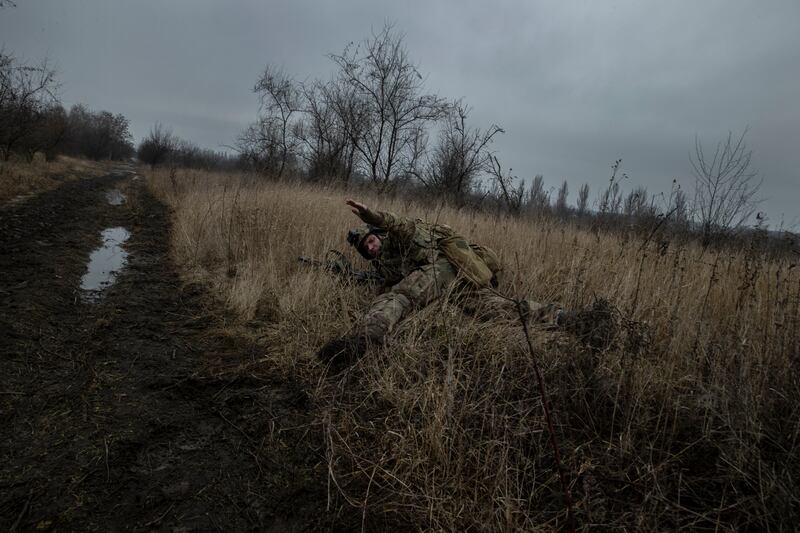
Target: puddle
<point>115,197</point>
<point>105,263</point>
<point>21,198</point>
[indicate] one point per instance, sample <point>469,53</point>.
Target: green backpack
<point>478,264</point>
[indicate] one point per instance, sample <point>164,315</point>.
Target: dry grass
<point>19,178</point>
<point>692,420</point>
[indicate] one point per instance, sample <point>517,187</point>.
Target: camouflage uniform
<point>418,271</point>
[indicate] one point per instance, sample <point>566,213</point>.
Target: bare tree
<point>119,144</point>
<point>635,202</point>
<point>538,199</point>
<point>259,146</point>
<point>186,154</point>
<point>583,199</point>
<point>678,204</point>
<point>459,157</point>
<point>324,132</point>
<point>27,93</point>
<point>511,196</point>
<point>280,101</point>
<point>389,87</point>
<point>48,135</point>
<point>561,199</point>
<point>157,146</point>
<point>351,114</point>
<point>725,186</point>
<point>81,132</point>
<point>611,199</point>
<point>107,137</point>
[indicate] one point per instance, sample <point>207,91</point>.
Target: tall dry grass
<point>691,421</point>
<point>19,178</point>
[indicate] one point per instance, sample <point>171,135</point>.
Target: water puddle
<point>115,197</point>
<point>21,198</point>
<point>104,263</point>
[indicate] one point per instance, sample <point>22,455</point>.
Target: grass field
<point>691,419</point>
<point>20,178</point>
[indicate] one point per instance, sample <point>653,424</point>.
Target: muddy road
<point>128,407</point>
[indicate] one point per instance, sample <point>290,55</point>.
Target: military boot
<point>594,325</point>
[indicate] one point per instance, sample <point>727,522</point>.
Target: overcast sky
<point>575,84</point>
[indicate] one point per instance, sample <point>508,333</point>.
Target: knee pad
<point>386,311</point>
<point>389,300</point>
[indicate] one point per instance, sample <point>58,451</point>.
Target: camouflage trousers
<point>435,280</point>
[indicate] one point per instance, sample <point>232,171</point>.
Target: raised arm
<point>398,227</point>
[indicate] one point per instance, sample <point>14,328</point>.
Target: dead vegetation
<point>691,420</point>
<point>20,178</point>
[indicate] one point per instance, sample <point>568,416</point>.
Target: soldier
<point>421,262</point>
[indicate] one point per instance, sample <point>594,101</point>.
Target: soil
<point>137,411</point>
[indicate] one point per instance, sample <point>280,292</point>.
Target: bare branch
<point>460,156</point>
<point>725,186</point>
<point>388,87</point>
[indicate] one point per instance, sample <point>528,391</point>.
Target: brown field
<point>691,420</point>
<point>22,178</point>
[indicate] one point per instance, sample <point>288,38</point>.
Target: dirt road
<point>132,411</point>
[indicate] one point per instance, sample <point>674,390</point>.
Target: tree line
<point>33,120</point>
<point>374,121</point>
<point>162,147</point>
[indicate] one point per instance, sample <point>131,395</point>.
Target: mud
<point>139,411</point>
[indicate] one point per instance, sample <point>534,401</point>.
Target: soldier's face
<point>372,245</point>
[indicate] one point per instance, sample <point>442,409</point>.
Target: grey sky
<point>576,85</point>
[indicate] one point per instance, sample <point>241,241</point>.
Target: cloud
<point>575,84</point>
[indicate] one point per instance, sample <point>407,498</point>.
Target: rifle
<point>336,262</point>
